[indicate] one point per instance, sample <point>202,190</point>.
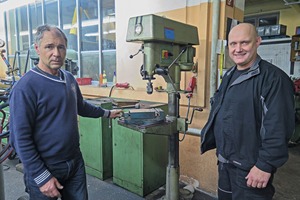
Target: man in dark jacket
<point>251,120</point>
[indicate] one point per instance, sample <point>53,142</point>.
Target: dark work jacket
<point>259,117</point>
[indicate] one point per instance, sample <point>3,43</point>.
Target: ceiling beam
<point>294,5</point>
<point>287,3</point>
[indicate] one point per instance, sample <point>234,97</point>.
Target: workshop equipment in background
<point>221,45</point>
<point>167,50</point>
<point>5,149</point>
<point>124,103</point>
<point>12,74</point>
<point>2,195</point>
<point>295,139</point>
<point>274,31</point>
<point>120,85</point>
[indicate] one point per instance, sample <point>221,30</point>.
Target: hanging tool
<point>191,86</point>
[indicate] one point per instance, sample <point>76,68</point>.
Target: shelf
<point>295,48</point>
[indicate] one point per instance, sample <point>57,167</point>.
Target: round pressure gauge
<point>2,43</point>
<point>138,29</point>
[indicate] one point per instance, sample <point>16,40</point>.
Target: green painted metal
<point>96,143</point>
<point>139,159</point>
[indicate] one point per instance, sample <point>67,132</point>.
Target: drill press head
<point>164,42</point>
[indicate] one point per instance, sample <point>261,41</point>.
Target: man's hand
<point>257,178</point>
<point>116,113</point>
<point>50,189</point>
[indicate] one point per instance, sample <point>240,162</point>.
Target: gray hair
<point>45,27</point>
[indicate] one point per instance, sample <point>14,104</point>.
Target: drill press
<point>167,49</point>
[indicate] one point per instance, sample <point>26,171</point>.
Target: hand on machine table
<point>116,113</point>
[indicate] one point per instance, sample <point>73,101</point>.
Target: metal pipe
<point>194,131</point>
<point>214,41</point>
<point>172,174</point>
<point>79,42</point>
<point>173,168</point>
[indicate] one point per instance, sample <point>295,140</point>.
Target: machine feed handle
<point>194,109</point>
<point>140,50</point>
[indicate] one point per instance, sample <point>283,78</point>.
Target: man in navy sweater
<point>44,105</point>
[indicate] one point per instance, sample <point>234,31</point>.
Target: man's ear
<point>36,47</point>
<point>258,40</point>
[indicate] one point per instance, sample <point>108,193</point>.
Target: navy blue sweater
<point>43,120</point>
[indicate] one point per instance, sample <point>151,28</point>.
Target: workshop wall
<point>287,17</point>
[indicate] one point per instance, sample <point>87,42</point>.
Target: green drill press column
<point>167,50</point>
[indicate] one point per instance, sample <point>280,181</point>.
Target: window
<point>96,29</point>
<point>11,33</point>
<point>35,16</point>
<point>51,12</point>
<point>23,28</point>
<point>90,22</point>
<point>90,39</point>
<point>108,39</point>
<point>263,20</point>
<point>69,21</point>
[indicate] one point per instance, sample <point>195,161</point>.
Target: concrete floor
<point>287,178</point>
<point>104,190</point>
<point>97,189</point>
<point>286,182</point>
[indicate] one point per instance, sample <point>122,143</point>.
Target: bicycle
<point>7,151</point>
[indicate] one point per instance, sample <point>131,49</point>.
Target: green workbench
<point>139,160</point>
<point>96,143</point>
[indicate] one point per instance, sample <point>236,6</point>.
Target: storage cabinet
<point>96,143</point>
<point>295,48</point>
<point>140,160</point>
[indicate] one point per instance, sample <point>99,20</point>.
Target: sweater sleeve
<point>22,115</point>
<point>278,123</point>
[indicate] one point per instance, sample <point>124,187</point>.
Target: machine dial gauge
<point>2,43</point>
<point>138,29</point>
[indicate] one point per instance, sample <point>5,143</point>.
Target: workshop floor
<point>286,182</point>
<point>287,178</point>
